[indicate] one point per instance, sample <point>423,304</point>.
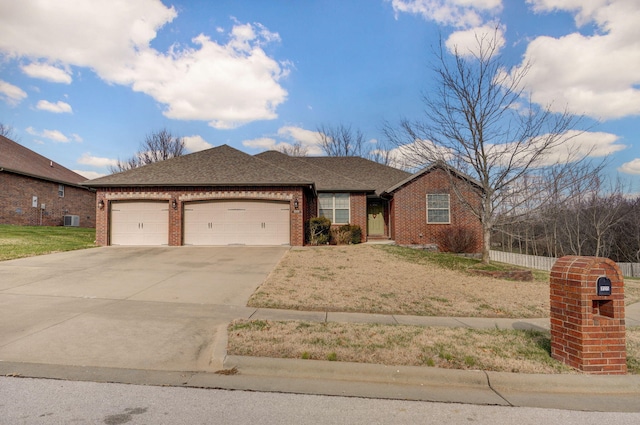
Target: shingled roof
<point>326,179</point>
<point>378,177</point>
<point>15,158</point>
<point>219,166</point>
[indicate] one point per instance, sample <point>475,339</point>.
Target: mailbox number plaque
<point>604,286</point>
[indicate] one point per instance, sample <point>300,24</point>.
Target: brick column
<point>588,328</point>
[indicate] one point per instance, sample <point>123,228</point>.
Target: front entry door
<point>375,219</point>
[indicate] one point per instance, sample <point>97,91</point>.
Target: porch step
<point>380,240</point>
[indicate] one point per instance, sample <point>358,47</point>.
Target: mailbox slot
<point>603,308</point>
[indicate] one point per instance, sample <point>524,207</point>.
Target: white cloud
<point>89,174</point>
<point>289,137</point>
<point>631,167</point>
<point>226,85</point>
<point>76,137</point>
<point>467,42</point>
<point>411,156</point>
<point>307,138</point>
<point>595,75</point>
<point>96,161</point>
<point>456,13</point>
<point>264,143</point>
<point>103,34</point>
<point>584,9</point>
<point>196,143</point>
<point>55,135</point>
<point>11,94</point>
<point>47,72</point>
<point>58,107</point>
<point>573,146</point>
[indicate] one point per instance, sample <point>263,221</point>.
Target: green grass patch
<point>27,241</point>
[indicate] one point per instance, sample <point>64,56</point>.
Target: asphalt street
<point>51,402</point>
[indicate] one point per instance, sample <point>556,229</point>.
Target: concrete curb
<point>569,392</point>
<point>362,372</point>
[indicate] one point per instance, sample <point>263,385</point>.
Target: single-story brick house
<point>222,196</point>
<point>36,191</point>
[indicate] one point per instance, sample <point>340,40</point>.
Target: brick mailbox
<point>587,315</point>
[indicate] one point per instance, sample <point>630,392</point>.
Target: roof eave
<point>195,184</point>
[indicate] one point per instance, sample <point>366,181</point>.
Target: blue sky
<point>82,82</point>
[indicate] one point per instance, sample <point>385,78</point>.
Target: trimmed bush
<point>318,229</point>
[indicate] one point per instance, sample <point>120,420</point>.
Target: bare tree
<point>382,154</point>
<point>480,121</point>
<point>293,150</point>
<point>157,146</point>
<point>341,140</point>
<point>6,131</point>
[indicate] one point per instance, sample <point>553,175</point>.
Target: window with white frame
<point>334,206</point>
<point>61,190</point>
<point>438,208</point>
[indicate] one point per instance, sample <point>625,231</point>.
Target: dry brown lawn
<point>394,280</point>
<point>380,279</point>
<point>451,348</point>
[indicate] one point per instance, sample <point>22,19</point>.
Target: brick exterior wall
<point>358,206</point>
<point>189,194</point>
<point>408,210</point>
<point>16,202</point>
<point>587,330</point>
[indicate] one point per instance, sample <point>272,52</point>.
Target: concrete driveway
<point>159,308</point>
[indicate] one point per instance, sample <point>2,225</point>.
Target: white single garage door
<point>140,223</point>
<point>236,222</point>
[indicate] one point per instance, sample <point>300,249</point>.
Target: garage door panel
<point>139,223</point>
<point>237,222</point>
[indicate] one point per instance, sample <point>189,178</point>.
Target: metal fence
<point>546,263</point>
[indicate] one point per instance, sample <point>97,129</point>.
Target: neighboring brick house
<point>223,196</point>
<point>36,191</point>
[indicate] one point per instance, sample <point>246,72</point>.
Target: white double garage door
<point>204,223</point>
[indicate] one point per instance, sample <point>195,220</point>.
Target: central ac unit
<point>72,220</point>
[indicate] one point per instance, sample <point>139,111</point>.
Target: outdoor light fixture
<point>174,204</point>
<point>101,204</point>
<point>295,204</point>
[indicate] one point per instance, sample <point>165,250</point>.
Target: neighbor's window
<point>438,208</point>
<point>334,206</point>
<point>61,190</point>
